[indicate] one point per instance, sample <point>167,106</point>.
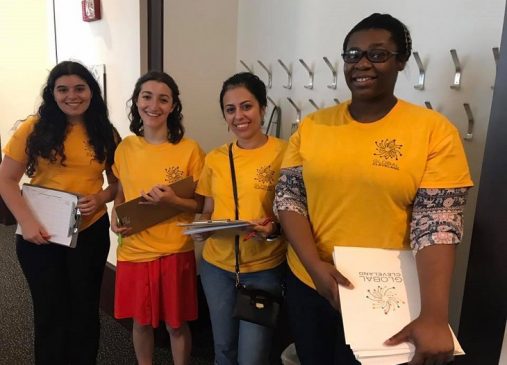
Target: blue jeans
<point>236,341</point>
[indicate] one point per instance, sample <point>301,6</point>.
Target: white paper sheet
<point>55,210</point>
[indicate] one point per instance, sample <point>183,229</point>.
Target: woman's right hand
<point>120,230</point>
<point>326,279</point>
<point>34,232</point>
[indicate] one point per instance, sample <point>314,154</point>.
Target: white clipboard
<point>212,225</point>
<point>56,210</point>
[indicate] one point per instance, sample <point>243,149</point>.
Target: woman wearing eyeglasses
<point>375,171</point>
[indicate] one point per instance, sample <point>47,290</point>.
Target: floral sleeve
<point>437,217</point>
<point>290,192</point>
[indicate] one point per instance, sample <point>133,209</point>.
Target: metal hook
<point>336,100</point>
<point>246,66</point>
<point>422,72</point>
<point>310,72</point>
<point>289,75</point>
<point>295,125</point>
<point>334,71</point>
<point>314,104</point>
<point>496,56</point>
<point>277,110</point>
<point>270,75</point>
<point>470,130</point>
<point>428,105</point>
<point>457,75</point>
<point>272,102</point>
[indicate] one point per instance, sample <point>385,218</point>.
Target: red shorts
<point>161,290</point>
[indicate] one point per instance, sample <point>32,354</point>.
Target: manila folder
<point>140,216</point>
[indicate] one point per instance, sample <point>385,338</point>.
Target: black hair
<point>48,136</point>
<point>175,118</point>
<point>399,32</point>
<point>249,81</point>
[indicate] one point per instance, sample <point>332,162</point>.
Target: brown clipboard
<point>141,216</point>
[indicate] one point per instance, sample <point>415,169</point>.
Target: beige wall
<point>200,53</point>
<point>26,57</point>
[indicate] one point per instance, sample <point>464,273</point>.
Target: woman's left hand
<point>433,341</point>
<point>89,204</point>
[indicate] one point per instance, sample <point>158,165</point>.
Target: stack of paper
<point>213,225</point>
<point>385,299</point>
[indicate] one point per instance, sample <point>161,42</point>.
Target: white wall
<point>113,41</point>
<point>200,53</point>
<point>27,56</point>
<point>288,30</point>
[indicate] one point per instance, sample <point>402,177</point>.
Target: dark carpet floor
<point>16,329</point>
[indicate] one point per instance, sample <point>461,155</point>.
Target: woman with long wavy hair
<point>67,146</point>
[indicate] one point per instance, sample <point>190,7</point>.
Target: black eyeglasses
<point>375,55</point>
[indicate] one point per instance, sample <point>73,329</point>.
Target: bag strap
<point>236,213</point>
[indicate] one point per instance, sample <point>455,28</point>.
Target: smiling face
<point>73,96</point>
<point>154,104</point>
<point>243,113</point>
<point>370,81</point>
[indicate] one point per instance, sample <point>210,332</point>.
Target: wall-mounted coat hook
<point>314,104</point>
<point>272,102</point>
<point>422,72</point>
<point>336,100</point>
<point>310,73</point>
<point>428,105</point>
<point>470,130</point>
<point>294,126</point>
<point>334,71</point>
<point>246,66</point>
<point>457,74</point>
<point>275,118</point>
<point>270,74</point>
<point>496,56</point>
<point>289,75</point>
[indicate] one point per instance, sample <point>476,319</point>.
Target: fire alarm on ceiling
<point>91,10</point>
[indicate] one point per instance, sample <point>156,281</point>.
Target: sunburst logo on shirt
<point>388,149</point>
<point>173,174</point>
<point>265,178</point>
<point>385,298</point>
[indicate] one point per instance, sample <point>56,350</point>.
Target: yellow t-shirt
<point>257,173</point>
<point>361,178</point>
<point>81,174</point>
<point>140,165</point>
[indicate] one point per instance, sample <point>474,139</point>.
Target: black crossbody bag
<point>252,305</point>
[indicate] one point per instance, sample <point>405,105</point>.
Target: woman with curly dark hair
<point>67,146</point>
<point>155,272</point>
